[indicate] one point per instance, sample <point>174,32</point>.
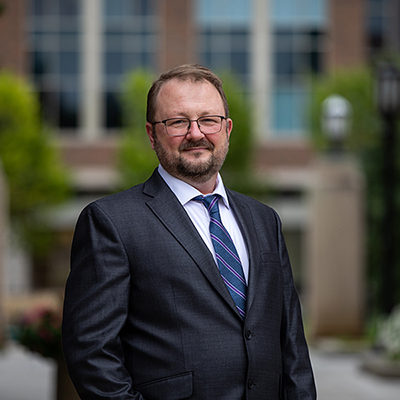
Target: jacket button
<point>248,334</point>
<point>250,384</point>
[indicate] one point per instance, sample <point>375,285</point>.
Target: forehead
<point>187,93</point>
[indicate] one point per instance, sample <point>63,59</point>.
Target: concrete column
<point>336,250</point>
<point>177,35</point>
<point>261,67</point>
<point>93,100</point>
<point>3,247</point>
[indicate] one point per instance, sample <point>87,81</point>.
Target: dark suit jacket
<point>147,315</point>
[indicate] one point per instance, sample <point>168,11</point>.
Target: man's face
<point>195,157</point>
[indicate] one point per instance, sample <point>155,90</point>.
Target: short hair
<point>192,72</point>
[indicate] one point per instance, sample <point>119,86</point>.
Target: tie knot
<point>210,202</point>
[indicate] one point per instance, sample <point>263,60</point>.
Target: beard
<point>199,171</point>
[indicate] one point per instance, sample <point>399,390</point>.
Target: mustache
<point>200,143</point>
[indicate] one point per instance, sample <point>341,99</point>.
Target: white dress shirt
<point>201,218</point>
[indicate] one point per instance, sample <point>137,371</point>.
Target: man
<point>161,303</point>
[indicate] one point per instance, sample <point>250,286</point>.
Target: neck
<point>205,184</point>
<point>203,187</point>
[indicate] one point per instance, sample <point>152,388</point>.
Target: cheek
<point>221,141</point>
<point>174,143</point>
<point>170,144</point>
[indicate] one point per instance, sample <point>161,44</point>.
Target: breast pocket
<point>177,387</point>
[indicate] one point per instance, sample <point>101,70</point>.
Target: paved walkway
<point>25,376</point>
<point>339,377</point>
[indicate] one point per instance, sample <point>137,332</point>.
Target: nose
<point>194,131</point>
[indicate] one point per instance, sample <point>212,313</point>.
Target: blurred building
<point>77,52</point>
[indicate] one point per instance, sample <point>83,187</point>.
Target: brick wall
<point>13,55</point>
<point>346,35</point>
<point>177,41</point>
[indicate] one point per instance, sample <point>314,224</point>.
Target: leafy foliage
<point>236,169</point>
<point>137,160</point>
<point>36,177</point>
<point>357,87</point>
<point>40,332</point>
<point>389,334</point>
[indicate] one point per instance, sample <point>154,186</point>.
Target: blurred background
<point>314,93</point>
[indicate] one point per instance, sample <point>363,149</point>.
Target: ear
<point>229,127</point>
<point>149,131</point>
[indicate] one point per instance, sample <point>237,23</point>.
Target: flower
<point>389,334</point>
<point>40,331</point>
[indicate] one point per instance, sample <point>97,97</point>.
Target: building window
<point>224,36</point>
<point>55,54</point>
<point>129,43</point>
<point>298,28</point>
<point>297,31</point>
<point>297,53</point>
<point>56,31</point>
<point>377,25</point>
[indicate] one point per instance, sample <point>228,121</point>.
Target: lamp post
<point>388,101</point>
<point>336,113</point>
<point>336,232</point>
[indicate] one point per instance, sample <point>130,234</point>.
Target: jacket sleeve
<point>95,310</point>
<point>298,378</point>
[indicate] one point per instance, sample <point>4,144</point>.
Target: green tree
<point>356,86</point>
<point>35,175</point>
<point>137,159</point>
<point>236,169</point>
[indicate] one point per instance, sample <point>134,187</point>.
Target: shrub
<point>36,177</point>
<point>40,332</point>
<point>389,334</point>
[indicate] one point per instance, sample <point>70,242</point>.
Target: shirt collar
<point>185,192</point>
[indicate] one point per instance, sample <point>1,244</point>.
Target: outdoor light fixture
<point>336,113</point>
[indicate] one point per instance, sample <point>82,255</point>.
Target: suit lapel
<point>246,223</point>
<point>173,216</point>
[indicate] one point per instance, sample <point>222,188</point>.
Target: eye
<point>209,120</point>
<point>177,122</point>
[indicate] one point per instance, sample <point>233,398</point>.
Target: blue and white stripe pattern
<point>228,260</point>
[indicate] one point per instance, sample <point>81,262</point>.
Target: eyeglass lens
<point>207,125</point>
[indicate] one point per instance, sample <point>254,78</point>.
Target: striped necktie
<point>227,257</point>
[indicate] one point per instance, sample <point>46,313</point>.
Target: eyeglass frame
<point>190,124</point>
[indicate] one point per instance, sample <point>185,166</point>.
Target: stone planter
<point>378,364</point>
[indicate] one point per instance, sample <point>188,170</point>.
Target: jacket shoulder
<point>247,201</point>
<point>130,198</point>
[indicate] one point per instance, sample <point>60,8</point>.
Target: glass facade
<point>129,43</point>
<point>377,25</point>
<point>224,35</point>
<point>298,31</point>
<point>55,34</point>
<point>128,38</point>
<point>55,54</point>
<point>297,26</point>
<point>297,53</point>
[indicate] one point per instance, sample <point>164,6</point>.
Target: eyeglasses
<point>207,125</point>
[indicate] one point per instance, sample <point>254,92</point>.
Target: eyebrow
<point>202,114</point>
